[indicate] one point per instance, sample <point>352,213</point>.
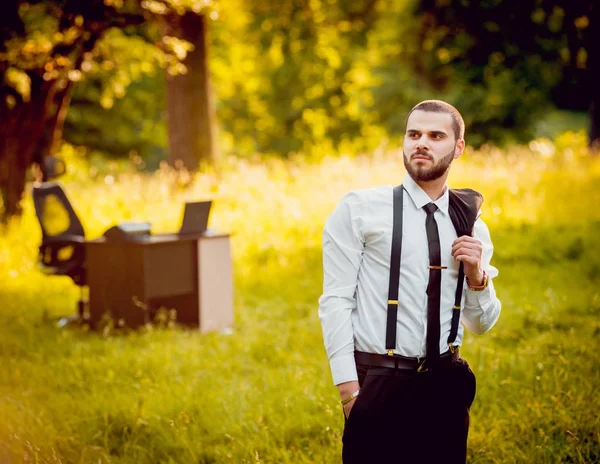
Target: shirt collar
<point>420,198</point>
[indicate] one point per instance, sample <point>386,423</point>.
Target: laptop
<point>195,217</point>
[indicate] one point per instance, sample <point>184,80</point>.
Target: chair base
<point>82,316</point>
<point>75,319</point>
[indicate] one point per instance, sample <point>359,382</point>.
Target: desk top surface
<point>156,239</point>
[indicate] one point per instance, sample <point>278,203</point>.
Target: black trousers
<point>403,416</point>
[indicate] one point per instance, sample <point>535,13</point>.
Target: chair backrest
<point>54,211</point>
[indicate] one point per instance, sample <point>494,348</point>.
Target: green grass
<point>264,393</point>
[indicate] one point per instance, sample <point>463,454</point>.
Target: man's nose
<point>422,142</point>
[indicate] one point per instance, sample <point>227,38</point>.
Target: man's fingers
<point>468,256</point>
<point>467,246</point>
<point>466,241</point>
<point>469,251</point>
<point>468,259</point>
<point>348,408</point>
<point>458,246</point>
<point>476,252</point>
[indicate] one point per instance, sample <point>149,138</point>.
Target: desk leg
<point>215,284</point>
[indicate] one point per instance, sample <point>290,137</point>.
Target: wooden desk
<point>131,280</point>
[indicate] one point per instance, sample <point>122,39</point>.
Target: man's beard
<point>436,171</point>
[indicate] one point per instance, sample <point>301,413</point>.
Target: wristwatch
<point>479,288</point>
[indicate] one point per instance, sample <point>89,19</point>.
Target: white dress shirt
<point>357,241</point>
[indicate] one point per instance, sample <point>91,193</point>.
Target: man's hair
<point>439,106</point>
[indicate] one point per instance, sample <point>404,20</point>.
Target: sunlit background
<point>274,110</point>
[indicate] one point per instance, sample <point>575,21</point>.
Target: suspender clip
<point>453,348</point>
<point>390,352</point>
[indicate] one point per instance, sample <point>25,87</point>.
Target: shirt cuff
<point>343,369</point>
<point>483,299</point>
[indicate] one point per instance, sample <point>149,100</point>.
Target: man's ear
<point>460,147</point>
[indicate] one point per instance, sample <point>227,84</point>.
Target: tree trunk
<point>594,137</point>
<point>30,130</point>
<point>25,138</point>
<point>56,125</point>
<point>593,50</point>
<point>190,110</point>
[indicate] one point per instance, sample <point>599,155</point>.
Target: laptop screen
<point>195,217</point>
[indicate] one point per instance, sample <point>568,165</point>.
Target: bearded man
<point>403,267</point>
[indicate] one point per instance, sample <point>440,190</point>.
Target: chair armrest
<point>63,240</point>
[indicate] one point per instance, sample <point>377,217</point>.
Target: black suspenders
<point>392,313</point>
<point>456,308</point>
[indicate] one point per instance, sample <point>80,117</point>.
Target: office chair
<point>62,251</point>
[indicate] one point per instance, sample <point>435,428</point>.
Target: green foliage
<point>50,39</point>
<point>287,78</point>
<point>264,392</point>
<point>101,118</point>
<point>292,78</point>
<point>315,77</point>
<point>504,63</point>
<point>47,46</point>
<point>106,46</point>
<point>339,76</point>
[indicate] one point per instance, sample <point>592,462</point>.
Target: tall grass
<point>264,393</point>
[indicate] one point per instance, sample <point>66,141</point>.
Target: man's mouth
<point>421,157</point>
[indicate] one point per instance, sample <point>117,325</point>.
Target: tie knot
<point>430,208</point>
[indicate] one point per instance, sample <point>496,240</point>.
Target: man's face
<point>430,145</point>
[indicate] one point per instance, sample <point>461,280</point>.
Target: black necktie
<point>434,288</point>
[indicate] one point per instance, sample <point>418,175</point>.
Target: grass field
<point>263,394</point>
